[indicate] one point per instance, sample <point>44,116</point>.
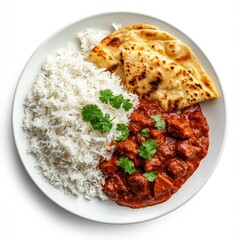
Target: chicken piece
<point>167,148</point>
<point>202,145</point>
<point>197,116</point>
<point>179,128</point>
<point>139,184</point>
<point>153,164</point>
<point>114,186</point>
<point>176,168</point>
<point>185,149</point>
<point>140,139</point>
<point>158,135</point>
<point>162,185</point>
<point>128,147</point>
<point>166,144</point>
<point>199,124</point>
<point>109,166</point>
<point>139,121</point>
<point>137,161</point>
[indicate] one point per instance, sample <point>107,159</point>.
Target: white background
<point>214,213</point>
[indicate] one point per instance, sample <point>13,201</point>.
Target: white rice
<point>67,149</point>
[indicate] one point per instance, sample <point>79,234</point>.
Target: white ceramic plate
<point>108,211</point>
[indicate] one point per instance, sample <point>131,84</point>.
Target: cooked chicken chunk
<point>179,128</point>
<point>138,184</point>
<point>128,147</point>
<point>177,168</point>
<point>161,185</point>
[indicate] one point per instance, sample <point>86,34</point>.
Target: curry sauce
<point>182,144</point>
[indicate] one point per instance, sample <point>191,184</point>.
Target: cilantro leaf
<point>151,176</point>
<point>105,95</point>
<point>126,164</point>
<point>91,113</point>
<point>126,104</point>
<point>116,101</point>
<point>160,123</point>
<point>102,124</point>
<point>124,130</point>
<point>144,132</point>
<point>148,148</point>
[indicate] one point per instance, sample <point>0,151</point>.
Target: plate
<point>108,211</point>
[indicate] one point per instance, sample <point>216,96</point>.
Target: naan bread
<point>155,65</point>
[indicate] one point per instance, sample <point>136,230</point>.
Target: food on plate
<point>155,65</point>
<point>134,133</point>
<point>161,152</point>
<point>69,129</point>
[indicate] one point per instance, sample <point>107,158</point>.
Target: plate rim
<point>38,49</point>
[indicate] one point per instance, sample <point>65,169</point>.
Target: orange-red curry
<point>182,144</point>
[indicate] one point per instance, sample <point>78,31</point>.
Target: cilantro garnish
<point>102,124</point>
<point>126,164</point>
<point>106,96</point>
<point>144,132</point>
<point>148,148</point>
<point>91,113</point>
<point>126,104</point>
<point>124,130</point>
<point>151,176</point>
<point>116,101</point>
<point>160,123</point>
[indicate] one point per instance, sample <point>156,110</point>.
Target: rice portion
<point>67,149</point>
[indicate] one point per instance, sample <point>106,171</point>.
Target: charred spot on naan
<point>114,42</point>
<point>100,53</point>
<point>112,68</point>
<point>155,84</point>
<point>149,34</point>
<point>133,81</point>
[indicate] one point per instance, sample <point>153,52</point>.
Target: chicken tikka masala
<point>159,169</point>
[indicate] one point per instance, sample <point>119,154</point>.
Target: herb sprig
<point>160,123</point>
<point>126,164</point>
<point>124,130</point>
<point>106,96</point>
<point>101,122</point>
<point>151,176</point>
<point>143,132</point>
<point>148,149</point>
